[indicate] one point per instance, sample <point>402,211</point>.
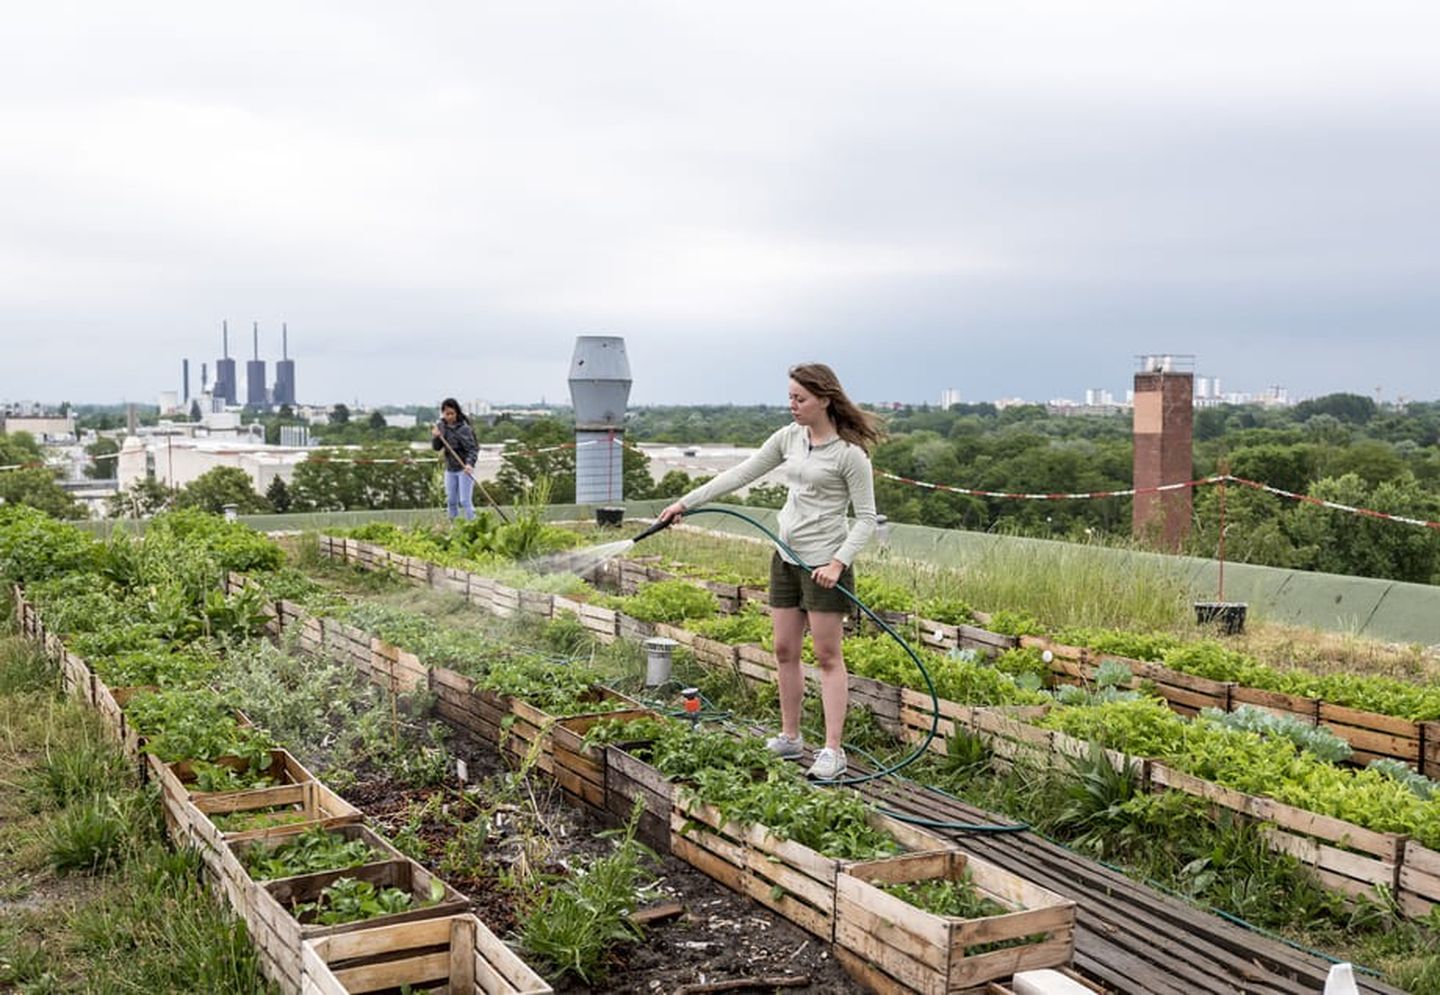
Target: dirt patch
<point>484,836</point>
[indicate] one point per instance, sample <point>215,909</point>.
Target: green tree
<point>373,477</point>
<point>29,484</point>
<point>340,415</point>
<point>1343,542</point>
<point>523,464</point>
<point>278,494</point>
<point>376,422</point>
<point>102,454</point>
<point>214,489</point>
<point>145,497</point>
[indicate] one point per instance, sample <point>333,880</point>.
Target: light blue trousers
<point>458,488</point>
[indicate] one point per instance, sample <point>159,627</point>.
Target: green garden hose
<point>885,627</point>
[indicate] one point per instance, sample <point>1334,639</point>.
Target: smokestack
<point>225,339</point>
<point>284,340</point>
<point>204,377</point>
<point>185,380</point>
<point>255,327</point>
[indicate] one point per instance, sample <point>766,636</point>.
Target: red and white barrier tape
<point>1049,497</point>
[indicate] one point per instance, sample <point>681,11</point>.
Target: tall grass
<point>1060,584</point>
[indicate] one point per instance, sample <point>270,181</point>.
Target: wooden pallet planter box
<point>455,954</point>
<point>1307,710</point>
<point>683,636</point>
<point>756,664</point>
<point>1345,857</point>
<point>629,779</point>
<point>917,714</point>
<point>504,601</point>
<point>603,622</point>
<point>938,635</point>
<point>1419,889</point>
<point>632,575</point>
<point>1373,736</point>
<point>633,629</point>
<point>418,569</point>
<point>396,670</point>
<point>480,592</point>
<point>580,769</point>
<point>278,935</point>
<point>457,702</point>
<point>312,634</point>
<point>883,701</point>
<point>759,596</point>
<point>530,730</point>
<point>236,882</point>
<point>713,653</point>
<point>927,953</point>
<point>976,638</point>
<point>79,679</point>
<point>728,595</point>
<point>537,604</point>
<point>788,877</point>
<point>1184,693</point>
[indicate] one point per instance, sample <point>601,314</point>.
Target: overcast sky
<point>1008,199</point>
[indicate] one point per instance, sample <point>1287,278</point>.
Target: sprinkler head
<point>657,527</point>
<point>692,706</point>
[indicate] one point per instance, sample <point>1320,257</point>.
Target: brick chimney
<point>1164,420</point>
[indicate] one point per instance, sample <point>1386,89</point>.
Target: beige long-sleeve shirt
<point>824,482</point>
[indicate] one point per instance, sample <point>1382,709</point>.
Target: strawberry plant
<point>314,850</point>
<point>350,900</point>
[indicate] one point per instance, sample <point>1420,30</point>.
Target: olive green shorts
<point>792,586</point>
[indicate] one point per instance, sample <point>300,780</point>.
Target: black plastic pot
<point>1228,615</point>
<point>609,516</point>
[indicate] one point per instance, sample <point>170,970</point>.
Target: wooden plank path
<point>1129,937</point>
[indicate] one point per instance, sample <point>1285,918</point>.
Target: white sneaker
<point>786,748</point>
<point>829,764</point>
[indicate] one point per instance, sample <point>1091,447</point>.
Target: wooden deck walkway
<point>1129,937</point>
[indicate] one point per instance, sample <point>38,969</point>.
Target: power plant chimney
<point>225,385</point>
<point>285,370</point>
<point>185,381</point>
<point>255,395</point>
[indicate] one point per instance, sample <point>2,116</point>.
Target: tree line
<point>1342,448</point>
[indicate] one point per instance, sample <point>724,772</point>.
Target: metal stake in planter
<point>659,655</point>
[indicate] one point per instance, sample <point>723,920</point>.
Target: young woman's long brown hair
<point>859,428</point>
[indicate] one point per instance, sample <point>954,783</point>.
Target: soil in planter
<point>529,828</point>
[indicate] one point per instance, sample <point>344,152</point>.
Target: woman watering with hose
<point>825,452</point>
<point>454,434</point>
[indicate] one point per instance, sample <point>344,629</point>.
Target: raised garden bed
<point>939,954</point>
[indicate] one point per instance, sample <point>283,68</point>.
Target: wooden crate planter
<point>883,701</point>
<point>604,623</point>
<point>713,653</point>
<point>1419,889</point>
<point>529,730</point>
<point>976,638</point>
<point>755,663</point>
<point>938,635</point>
<point>78,678</point>
<point>504,601</point>
<point>278,935</point>
<point>458,702</point>
<point>634,629</point>
<point>1345,857</point>
<point>755,595</point>
<point>236,882</point>
<point>456,953</point>
<point>629,779</point>
<point>684,637</point>
<point>782,875</point>
<point>537,604</point>
<point>1373,736</point>
<point>396,670</point>
<point>728,595</point>
<point>927,953</point>
<point>580,769</point>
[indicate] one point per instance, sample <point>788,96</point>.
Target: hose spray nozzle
<point>659,526</point>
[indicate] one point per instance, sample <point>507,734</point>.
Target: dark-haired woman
<point>453,434</point>
<point>825,453</point>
